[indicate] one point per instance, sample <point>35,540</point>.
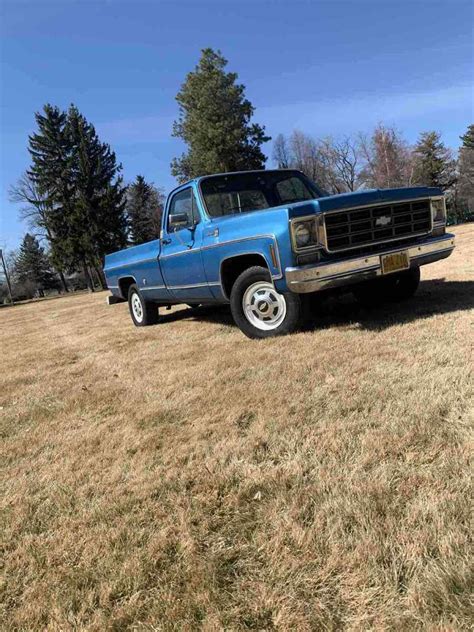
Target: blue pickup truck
<point>265,241</point>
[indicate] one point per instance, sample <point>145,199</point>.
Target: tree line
<point>78,208</point>
<point>384,160</point>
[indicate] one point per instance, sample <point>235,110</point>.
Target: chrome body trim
<point>251,252</point>
<point>222,243</point>
<point>209,247</point>
<point>153,287</point>
<point>187,287</point>
<point>275,277</point>
<point>312,278</point>
<point>125,276</point>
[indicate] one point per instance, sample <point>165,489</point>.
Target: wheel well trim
<point>126,276</point>
<point>241,255</point>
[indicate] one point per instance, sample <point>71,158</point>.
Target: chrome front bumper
<point>311,278</point>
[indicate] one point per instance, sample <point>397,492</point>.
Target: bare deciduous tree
<point>281,152</point>
<point>34,211</point>
<point>388,159</point>
<point>34,207</point>
<point>343,161</point>
<point>333,164</point>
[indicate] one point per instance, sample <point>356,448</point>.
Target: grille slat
<point>365,226</point>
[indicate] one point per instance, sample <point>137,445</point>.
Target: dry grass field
<point>183,477</point>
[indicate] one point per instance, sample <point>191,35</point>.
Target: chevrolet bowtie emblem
<point>383,221</point>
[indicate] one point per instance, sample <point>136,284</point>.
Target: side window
<point>183,211</point>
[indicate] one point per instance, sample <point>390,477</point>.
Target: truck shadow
<point>433,297</point>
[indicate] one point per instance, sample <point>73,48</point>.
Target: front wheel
<point>258,309</point>
<point>143,313</point>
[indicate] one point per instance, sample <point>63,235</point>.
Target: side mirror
<point>179,220</point>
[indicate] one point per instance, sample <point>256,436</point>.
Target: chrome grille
<point>357,227</point>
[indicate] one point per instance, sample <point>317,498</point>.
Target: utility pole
<point>6,276</point>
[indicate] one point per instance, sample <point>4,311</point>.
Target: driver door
<point>181,242</point>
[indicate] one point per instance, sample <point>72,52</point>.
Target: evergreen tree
<point>79,179</point>
<point>214,121</point>
<point>468,137</point>
<point>98,216</point>
<point>33,268</point>
<point>144,210</point>
<point>434,164</point>
<point>49,148</point>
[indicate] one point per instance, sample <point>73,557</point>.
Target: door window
<point>183,205</point>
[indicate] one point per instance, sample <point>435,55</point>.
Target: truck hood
<point>361,198</point>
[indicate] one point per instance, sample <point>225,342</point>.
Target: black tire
<point>149,311</point>
<point>405,284</point>
<point>392,288</point>
<point>290,313</point>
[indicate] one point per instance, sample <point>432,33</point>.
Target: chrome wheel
<point>137,307</point>
<point>263,306</point>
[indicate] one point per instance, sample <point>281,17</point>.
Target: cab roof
<point>231,173</point>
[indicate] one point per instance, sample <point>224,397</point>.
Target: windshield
<point>255,191</point>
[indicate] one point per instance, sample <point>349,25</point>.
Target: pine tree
<point>33,268</point>
<point>144,210</point>
<point>434,164</point>
<point>79,178</point>
<point>49,174</point>
<point>468,137</point>
<point>98,215</point>
<point>214,121</point>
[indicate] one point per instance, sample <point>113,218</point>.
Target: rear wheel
<point>143,313</point>
<point>258,309</point>
<point>394,287</point>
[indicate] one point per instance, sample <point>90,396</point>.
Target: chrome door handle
<point>165,242</point>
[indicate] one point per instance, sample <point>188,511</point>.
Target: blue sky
<point>325,67</point>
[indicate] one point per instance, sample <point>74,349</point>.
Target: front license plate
<point>395,262</point>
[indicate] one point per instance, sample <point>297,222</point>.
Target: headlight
<point>438,210</point>
<point>304,234</point>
